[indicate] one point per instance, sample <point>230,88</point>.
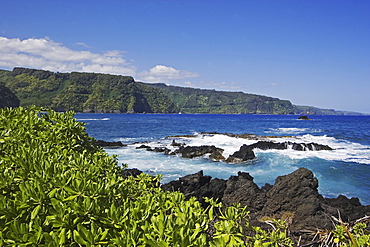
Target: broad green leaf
<point>35,211</point>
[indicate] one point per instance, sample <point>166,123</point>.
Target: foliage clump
<point>57,188</point>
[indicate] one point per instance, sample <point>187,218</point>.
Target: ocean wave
<point>265,168</point>
<point>292,130</point>
<point>343,150</point>
<point>93,119</point>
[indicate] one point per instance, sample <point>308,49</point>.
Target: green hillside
<point>94,92</point>
<point>310,110</point>
<point>85,92</point>
<point>191,100</point>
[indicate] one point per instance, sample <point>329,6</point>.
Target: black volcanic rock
<point>197,185</point>
<point>265,145</point>
<point>293,198</point>
<point>197,151</point>
<point>304,118</point>
<point>350,209</point>
<point>143,146</point>
<point>162,150</point>
<point>245,153</point>
<point>102,143</point>
<point>241,189</point>
<point>176,144</point>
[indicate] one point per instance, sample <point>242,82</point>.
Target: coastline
<point>293,198</point>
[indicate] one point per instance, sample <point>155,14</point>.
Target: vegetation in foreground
<point>58,188</point>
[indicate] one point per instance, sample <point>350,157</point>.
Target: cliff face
<point>7,97</point>
<point>85,92</point>
<point>192,100</point>
<point>92,92</point>
<point>309,110</point>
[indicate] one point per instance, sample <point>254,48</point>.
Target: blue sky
<point>311,52</point>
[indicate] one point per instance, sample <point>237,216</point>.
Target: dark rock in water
<point>145,147</point>
<point>162,150</point>
<point>156,149</point>
<point>245,153</point>
<point>265,145</point>
<point>109,144</point>
<point>318,147</point>
<point>304,118</point>
<point>217,155</point>
<point>197,151</point>
<point>293,198</point>
<point>176,144</point>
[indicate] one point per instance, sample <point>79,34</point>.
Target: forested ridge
<point>194,100</point>
<point>85,92</point>
<point>95,92</point>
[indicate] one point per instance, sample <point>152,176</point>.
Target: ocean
<point>343,171</point>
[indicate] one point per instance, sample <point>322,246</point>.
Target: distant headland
<point>104,93</point>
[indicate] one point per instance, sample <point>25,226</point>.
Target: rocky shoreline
<point>245,153</point>
<point>293,198</point>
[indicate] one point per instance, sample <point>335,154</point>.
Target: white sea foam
<point>229,144</point>
<point>131,140</point>
<point>93,119</point>
<point>292,131</point>
<point>343,150</point>
<point>268,165</point>
<point>288,130</point>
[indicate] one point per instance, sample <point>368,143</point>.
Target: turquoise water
<point>345,170</point>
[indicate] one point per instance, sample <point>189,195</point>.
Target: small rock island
<point>304,118</point>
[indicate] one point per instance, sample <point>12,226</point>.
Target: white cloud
<point>161,73</point>
<point>82,44</point>
<point>46,54</point>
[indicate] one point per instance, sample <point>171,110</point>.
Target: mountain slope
<point>191,100</point>
<point>94,92</point>
<point>85,92</point>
